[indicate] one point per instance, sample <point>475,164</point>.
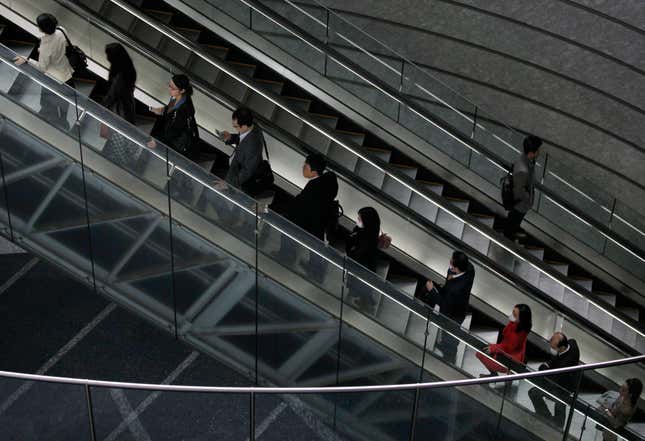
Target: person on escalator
<point>620,410</point>
<point>453,298</point>
<point>310,210</point>
<point>523,178</point>
<point>362,246</point>
<point>120,100</point>
<point>512,344</point>
<point>564,353</point>
<point>53,61</point>
<point>176,128</point>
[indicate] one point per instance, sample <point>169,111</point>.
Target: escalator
<point>156,238</point>
<point>495,301</point>
<point>116,230</point>
<point>595,348</point>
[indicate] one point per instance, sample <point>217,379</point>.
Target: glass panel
<point>43,411</point>
<point>466,412</point>
<point>121,414</point>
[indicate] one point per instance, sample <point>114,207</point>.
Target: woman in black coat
<point>120,100</point>
<point>362,246</point>
<point>176,126</point>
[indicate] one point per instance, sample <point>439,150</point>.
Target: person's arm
<point>250,161</point>
<point>114,91</point>
<point>619,416</point>
<point>520,181</point>
<point>233,139</point>
<point>44,57</point>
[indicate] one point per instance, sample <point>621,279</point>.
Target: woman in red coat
<point>513,342</point>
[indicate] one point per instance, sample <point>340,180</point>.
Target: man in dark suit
<point>310,209</point>
<point>247,156</point>
<point>452,299</point>
<point>564,353</point>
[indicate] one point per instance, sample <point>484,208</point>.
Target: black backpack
<point>508,197</point>
<point>75,55</point>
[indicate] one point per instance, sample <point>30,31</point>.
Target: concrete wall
<point>570,71</point>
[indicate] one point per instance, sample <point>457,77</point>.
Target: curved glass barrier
<point>340,49</point>
<point>211,72</point>
<point>84,409</point>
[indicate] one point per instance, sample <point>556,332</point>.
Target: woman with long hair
<point>362,246</point>
<point>120,100</point>
<point>623,408</point>
<point>513,341</point>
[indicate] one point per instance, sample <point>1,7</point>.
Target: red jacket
<point>513,344</point>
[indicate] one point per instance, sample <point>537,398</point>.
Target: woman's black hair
<point>47,23</point>
<point>635,387</point>
<point>525,319</point>
<point>183,83</point>
<point>120,63</point>
<point>371,222</point>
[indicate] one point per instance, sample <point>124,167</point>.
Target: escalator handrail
<point>396,95</point>
<point>431,197</point>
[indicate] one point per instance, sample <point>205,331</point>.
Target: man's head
<point>314,166</point>
<point>242,120</point>
<point>459,262</point>
<point>532,146</point>
<point>558,343</point>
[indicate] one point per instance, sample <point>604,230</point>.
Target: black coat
<point>246,157</point>
<point>569,358</point>
<point>310,209</point>
<point>120,98</point>
<point>454,295</point>
<point>363,248</point>
<point>177,129</point>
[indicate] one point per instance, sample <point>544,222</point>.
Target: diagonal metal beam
<point>95,221</point>
<point>308,354</point>
<point>369,399</point>
<point>33,169</point>
<point>133,249</point>
<point>53,191</point>
<point>273,328</point>
<point>165,269</point>
<point>355,373</point>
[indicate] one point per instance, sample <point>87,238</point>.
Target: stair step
<point>300,103</point>
<point>217,51</point>
<point>630,311</point>
<point>462,204</point>
<point>191,34</point>
<point>351,137</point>
<point>162,16</point>
<point>584,282</point>
<point>409,170</point>
<point>607,297</point>
<point>535,251</point>
<point>435,187</point>
<point>382,268</point>
<point>485,219</point>
<point>271,85</point>
<point>383,154</point>
<point>560,267</point>
<point>406,284</point>
<point>245,69</point>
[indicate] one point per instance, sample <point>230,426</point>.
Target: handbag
<point>384,241</point>
<point>75,55</point>
<point>263,177</point>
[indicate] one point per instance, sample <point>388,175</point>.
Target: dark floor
<point>52,324</point>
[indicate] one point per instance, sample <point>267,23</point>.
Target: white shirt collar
<point>243,135</point>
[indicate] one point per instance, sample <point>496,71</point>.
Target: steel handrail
<point>323,389</point>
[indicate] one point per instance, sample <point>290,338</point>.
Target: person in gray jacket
<point>523,185</point>
<point>246,158</point>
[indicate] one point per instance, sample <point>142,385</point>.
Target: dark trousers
<point>448,344</point>
<point>537,398</point>
<point>54,108</point>
<point>513,222</point>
